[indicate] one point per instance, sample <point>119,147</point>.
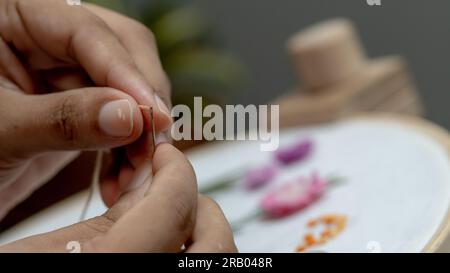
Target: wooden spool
<point>326,53</point>
<point>339,80</point>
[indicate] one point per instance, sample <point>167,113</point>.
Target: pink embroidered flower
<point>258,177</point>
<point>299,151</point>
<point>294,196</point>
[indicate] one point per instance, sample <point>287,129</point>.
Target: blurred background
<point>249,37</point>
<point>230,51</point>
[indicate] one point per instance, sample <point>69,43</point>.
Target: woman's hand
<point>51,46</point>
<point>105,63</point>
<point>40,134</point>
<point>164,215</point>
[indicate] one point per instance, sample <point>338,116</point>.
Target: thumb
<point>81,119</point>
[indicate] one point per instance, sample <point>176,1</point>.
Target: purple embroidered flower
<point>258,177</point>
<point>297,152</point>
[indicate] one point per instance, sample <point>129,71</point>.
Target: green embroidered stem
<point>238,224</point>
<point>223,183</point>
<point>334,180</point>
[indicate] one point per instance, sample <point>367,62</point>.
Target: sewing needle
<point>99,159</point>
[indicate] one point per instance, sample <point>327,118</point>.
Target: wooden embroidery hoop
<point>440,242</point>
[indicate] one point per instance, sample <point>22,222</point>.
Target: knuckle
<point>210,205</point>
<point>93,20</point>
<point>65,120</point>
<point>142,30</point>
<point>113,214</point>
<point>185,172</point>
<point>164,89</point>
<point>225,245</point>
<point>208,202</point>
<point>91,25</point>
<point>161,82</point>
<point>99,225</point>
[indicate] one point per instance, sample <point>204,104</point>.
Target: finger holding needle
<point>131,161</point>
<point>149,114</point>
<point>143,169</point>
<point>141,174</point>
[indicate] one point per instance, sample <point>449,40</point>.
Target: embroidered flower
<point>299,151</point>
<point>333,225</point>
<point>294,196</point>
<point>258,177</point>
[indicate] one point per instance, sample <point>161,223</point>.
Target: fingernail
<point>161,105</point>
<point>161,138</point>
<point>116,118</point>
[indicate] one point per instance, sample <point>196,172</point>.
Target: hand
<point>160,216</point>
<point>47,47</point>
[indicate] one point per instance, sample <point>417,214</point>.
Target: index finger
<point>164,219</point>
<point>74,34</point>
<point>141,45</point>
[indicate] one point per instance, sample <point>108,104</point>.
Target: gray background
<point>256,30</point>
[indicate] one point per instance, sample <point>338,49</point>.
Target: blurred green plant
<point>189,49</point>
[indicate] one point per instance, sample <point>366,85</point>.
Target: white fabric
<point>396,192</point>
